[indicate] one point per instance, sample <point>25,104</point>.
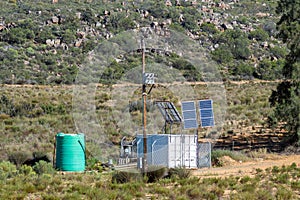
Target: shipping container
<point>169,150</point>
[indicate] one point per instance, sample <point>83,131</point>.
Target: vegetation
<point>45,44</point>
<point>272,183</point>
<point>31,116</point>
<point>286,97</point>
<point>39,46</point>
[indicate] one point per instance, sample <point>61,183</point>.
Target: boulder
<point>78,15</point>
<point>2,27</point>
<point>55,20</point>
<point>78,43</point>
<point>227,26</point>
<point>168,3</point>
<point>260,14</point>
<point>81,34</point>
<point>50,42</point>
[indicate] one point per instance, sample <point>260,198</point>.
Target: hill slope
<point>45,42</point>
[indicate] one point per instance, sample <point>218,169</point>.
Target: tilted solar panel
<point>169,111</point>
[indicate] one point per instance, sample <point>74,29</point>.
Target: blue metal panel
<point>156,144</point>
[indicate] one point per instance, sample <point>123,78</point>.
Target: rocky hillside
<point>45,42</point>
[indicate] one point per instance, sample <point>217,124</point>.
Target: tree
<point>286,98</point>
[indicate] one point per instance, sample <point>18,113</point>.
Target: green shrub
<point>209,28</point>
<point>216,154</point>
<point>18,158</point>
<point>43,167</point>
<point>26,170</point>
<point>245,179</point>
<point>179,172</point>
<point>283,193</point>
<point>93,164</point>
<point>258,34</point>
<point>282,178</point>
<point>269,70</point>
<point>155,173</point>
<point>295,185</point>
<point>126,176</point>
<point>222,55</point>
<point>7,170</point>
<point>194,193</point>
<point>264,194</point>
<point>244,70</point>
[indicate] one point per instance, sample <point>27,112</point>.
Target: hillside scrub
<point>39,46</point>
<point>31,125</point>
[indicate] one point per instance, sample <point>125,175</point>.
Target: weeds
<point>272,184</point>
<point>126,176</point>
<point>180,173</point>
<point>217,154</point>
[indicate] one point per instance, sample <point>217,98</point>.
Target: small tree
<point>286,98</point>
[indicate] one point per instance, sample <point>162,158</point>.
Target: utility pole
<point>144,119</point>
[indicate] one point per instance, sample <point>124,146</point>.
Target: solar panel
<point>189,114</point>
<point>169,111</point>
<point>206,113</point>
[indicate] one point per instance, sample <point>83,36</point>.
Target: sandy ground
<point>248,168</point>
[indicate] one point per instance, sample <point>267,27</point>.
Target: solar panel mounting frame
<point>169,112</point>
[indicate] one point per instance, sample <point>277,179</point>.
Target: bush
<point>126,176</point>
<point>180,172</point>
<point>155,173</point>
<point>216,154</point>
<point>43,167</point>
<point>18,158</point>
<point>258,34</point>
<point>269,70</point>
<point>243,70</point>
<point>222,55</point>
<point>209,28</point>
<point>7,170</point>
<point>26,170</point>
<point>283,193</point>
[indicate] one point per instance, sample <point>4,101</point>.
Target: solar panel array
<point>169,112</point>
<point>189,114</point>
<point>206,113</point>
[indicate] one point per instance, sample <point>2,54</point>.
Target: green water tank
<point>70,152</point>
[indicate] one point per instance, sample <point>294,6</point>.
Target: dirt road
<point>248,168</point>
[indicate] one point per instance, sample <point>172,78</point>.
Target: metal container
<point>169,150</point>
<point>70,152</point>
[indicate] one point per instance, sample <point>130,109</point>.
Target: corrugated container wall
<point>169,150</point>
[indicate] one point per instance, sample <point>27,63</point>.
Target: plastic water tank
<point>70,152</point>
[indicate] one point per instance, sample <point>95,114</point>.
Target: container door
<point>175,151</point>
<point>189,151</point>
